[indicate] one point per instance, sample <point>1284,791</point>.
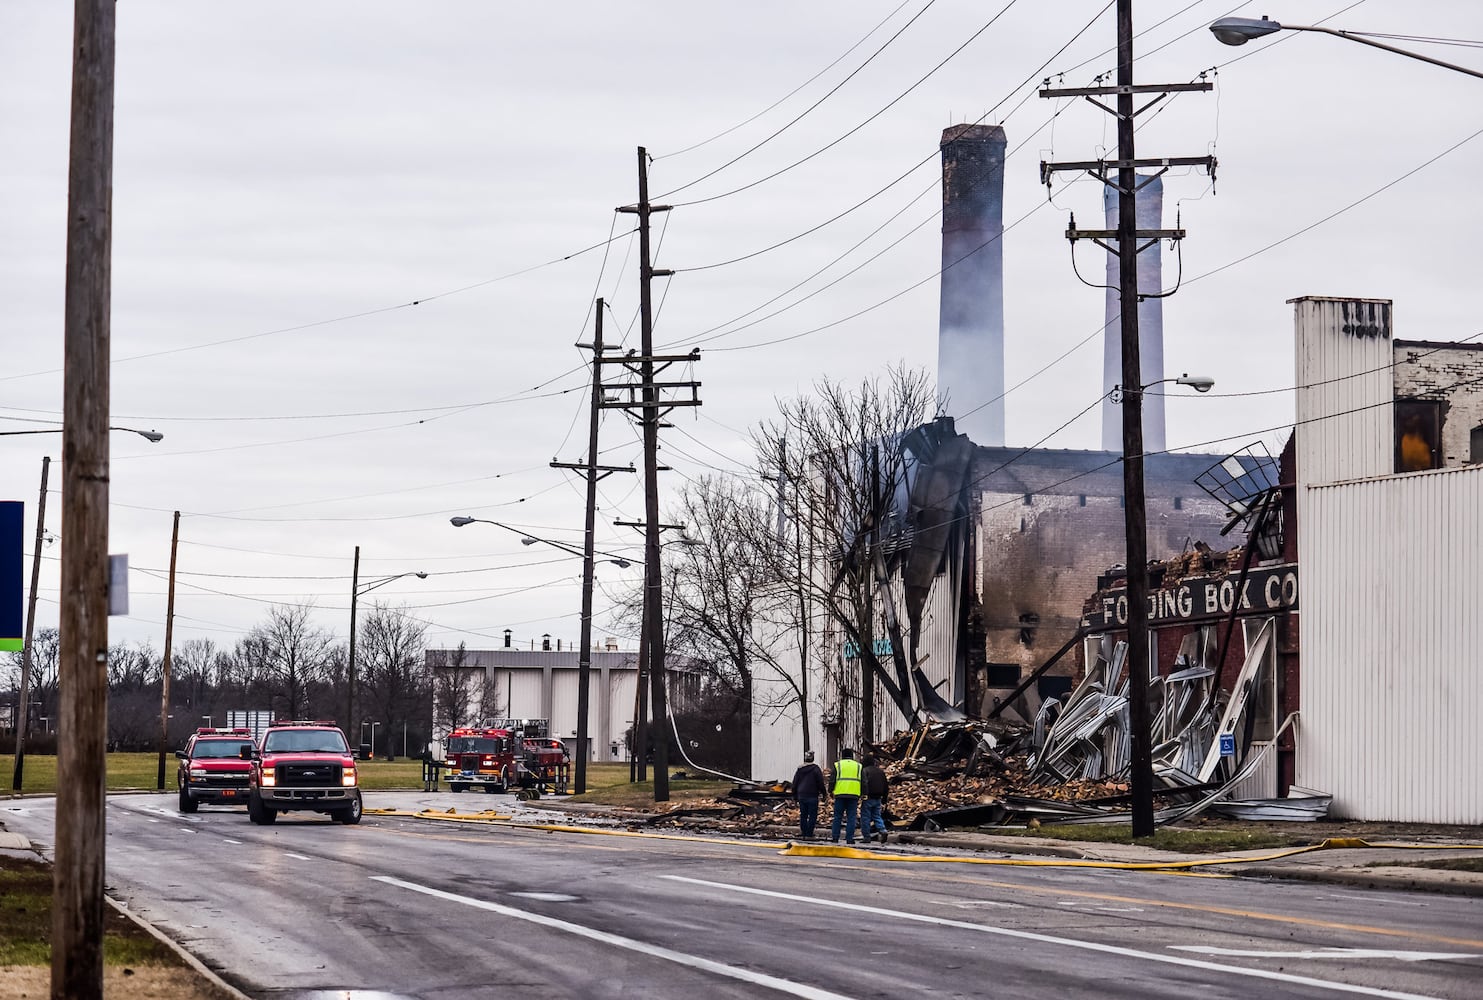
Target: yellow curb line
<point>1333,843</point>
<point>793,850</point>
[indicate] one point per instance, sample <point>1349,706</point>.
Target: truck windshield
<point>219,748</point>
<point>473,744</point>
<point>305,741</point>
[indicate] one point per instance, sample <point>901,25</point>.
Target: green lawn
<point>1165,838</point>
<point>128,771</point>
<point>25,922</point>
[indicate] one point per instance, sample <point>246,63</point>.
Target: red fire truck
<point>505,754</point>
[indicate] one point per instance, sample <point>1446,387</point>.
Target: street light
<point>526,539</point>
<point>355,591</point>
<point>584,652</point>
<point>1135,530</point>
<point>153,437</point>
<point>1240,30</point>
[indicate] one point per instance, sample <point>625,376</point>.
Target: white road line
<point>679,958</point>
<point>296,857</point>
<point>229,840</point>
<point>1106,949</point>
<point>1344,953</point>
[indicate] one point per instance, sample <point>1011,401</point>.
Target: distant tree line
<point>285,665</point>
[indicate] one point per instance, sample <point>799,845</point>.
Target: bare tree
<point>462,695</point>
<point>293,653</point>
<point>838,458</point>
<point>726,608</point>
<point>393,677</point>
<point>46,651</point>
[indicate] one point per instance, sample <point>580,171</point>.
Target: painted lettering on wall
<point>1265,590</point>
<point>881,647</point>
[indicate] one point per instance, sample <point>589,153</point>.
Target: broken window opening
<point>1418,435</point>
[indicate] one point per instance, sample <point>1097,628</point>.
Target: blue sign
<point>880,647</point>
<point>12,588</point>
<point>1228,744</point>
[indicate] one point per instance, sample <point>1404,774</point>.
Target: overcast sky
<point>291,177</point>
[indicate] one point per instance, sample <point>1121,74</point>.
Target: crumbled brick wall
<point>1043,558</point>
<point>1449,372</point>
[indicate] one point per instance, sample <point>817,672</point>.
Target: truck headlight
<point>198,774</point>
<point>347,777</point>
<point>268,777</point>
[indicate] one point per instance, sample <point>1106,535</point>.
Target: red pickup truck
<point>302,766</point>
<point>212,769</point>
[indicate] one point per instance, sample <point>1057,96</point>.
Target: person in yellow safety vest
<point>846,773</point>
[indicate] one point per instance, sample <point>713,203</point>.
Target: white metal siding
<point>522,690</point>
<point>1392,626</point>
<point>564,689</point>
<point>1345,383</point>
<point>622,684</point>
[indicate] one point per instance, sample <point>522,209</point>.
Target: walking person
<point>808,788</point>
<point>847,772</point>
<point>874,789</point>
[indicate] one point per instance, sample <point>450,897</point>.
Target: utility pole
<point>1127,237</point>
<point>638,765</point>
<point>350,665</point>
<point>651,409</point>
<point>21,719</point>
<point>77,893</point>
<point>165,660</point>
<point>594,473</point>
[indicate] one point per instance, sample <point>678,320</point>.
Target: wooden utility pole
<point>1125,243</point>
<point>594,473</point>
<point>21,719</point>
<point>165,660</point>
<point>77,895</point>
<point>350,732</point>
<point>638,766</point>
<point>647,398</point>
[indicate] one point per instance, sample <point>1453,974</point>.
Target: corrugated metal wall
<point>522,691</point>
<point>622,684</point>
<point>1392,641</point>
<point>564,689</point>
<point>1344,380</point>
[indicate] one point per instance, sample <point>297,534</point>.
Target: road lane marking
<point>1106,949</point>
<point>1345,953</point>
<point>629,944</point>
<point>546,897</point>
<point>229,840</point>
<point>1224,911</point>
<point>296,857</point>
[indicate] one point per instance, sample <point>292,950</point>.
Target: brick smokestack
<point>1150,324</point>
<point>970,338</point>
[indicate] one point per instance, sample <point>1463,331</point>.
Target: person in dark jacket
<point>808,788</point>
<point>874,790</point>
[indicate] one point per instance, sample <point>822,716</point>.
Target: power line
<point>719,135</point>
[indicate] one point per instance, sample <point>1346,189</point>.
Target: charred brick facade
<point>1452,376</point>
<point>1050,522</point>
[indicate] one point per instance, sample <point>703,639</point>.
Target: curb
<point>1397,879</point>
<point>195,963</point>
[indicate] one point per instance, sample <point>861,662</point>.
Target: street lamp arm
<point>1240,30</point>
<point>367,588</point>
<point>529,539</point>
<point>153,437</point>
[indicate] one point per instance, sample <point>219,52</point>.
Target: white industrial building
<point>1392,563</point>
<point>470,685</point>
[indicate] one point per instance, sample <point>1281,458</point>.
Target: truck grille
<point>308,775</point>
<point>229,779</point>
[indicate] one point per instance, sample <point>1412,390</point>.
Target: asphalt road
<point>399,907</point>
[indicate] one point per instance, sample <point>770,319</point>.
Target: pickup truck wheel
<point>350,815</point>
<point>259,813</point>
<point>187,804</point>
